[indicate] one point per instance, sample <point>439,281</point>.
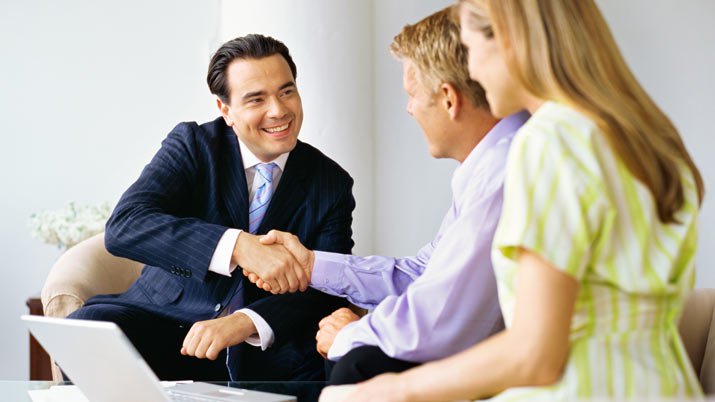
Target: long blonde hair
<point>563,50</point>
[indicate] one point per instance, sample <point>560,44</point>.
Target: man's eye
<point>288,92</point>
<point>255,100</point>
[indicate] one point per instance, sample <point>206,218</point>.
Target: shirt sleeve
<point>552,203</point>
<point>450,307</point>
<point>264,336</point>
<point>221,260</point>
<point>365,281</point>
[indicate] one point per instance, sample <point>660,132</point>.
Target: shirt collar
<point>505,129</point>
<point>250,160</point>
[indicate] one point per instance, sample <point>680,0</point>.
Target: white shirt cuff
<point>264,338</point>
<point>221,260</point>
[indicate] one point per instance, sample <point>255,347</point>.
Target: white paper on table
<point>70,393</point>
<point>58,393</point>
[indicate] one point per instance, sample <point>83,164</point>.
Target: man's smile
<point>277,131</point>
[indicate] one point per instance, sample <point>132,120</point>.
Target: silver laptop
<point>106,367</point>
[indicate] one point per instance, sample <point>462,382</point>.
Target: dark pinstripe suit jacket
<point>173,216</point>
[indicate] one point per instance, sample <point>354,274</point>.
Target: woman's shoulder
<point>557,121</point>
<point>560,141</point>
<point>560,130</point>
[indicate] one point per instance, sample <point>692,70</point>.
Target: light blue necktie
<point>264,191</point>
<point>256,211</point>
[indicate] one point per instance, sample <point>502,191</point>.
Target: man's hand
<point>206,339</point>
<point>278,269</point>
<point>291,242</point>
<point>330,326</point>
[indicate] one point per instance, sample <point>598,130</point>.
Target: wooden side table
<point>40,366</point>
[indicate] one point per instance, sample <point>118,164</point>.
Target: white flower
<point>69,226</point>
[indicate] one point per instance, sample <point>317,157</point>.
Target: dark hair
<point>253,46</point>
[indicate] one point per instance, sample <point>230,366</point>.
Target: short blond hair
<point>434,46</point>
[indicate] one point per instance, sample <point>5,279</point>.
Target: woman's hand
<point>384,388</point>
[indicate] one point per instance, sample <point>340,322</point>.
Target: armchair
<point>83,271</point>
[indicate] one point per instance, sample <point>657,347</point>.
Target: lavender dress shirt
<point>444,299</point>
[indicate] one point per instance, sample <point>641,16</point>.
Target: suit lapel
<point>290,193</point>
<point>235,189</point>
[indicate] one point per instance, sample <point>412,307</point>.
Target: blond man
<point>444,299</point>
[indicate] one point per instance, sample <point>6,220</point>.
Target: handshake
<point>277,262</point>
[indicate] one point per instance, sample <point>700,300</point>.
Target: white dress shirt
<point>221,260</point>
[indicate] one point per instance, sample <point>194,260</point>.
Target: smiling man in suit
<point>194,216</point>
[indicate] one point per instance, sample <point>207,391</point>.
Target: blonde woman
<point>595,247</point>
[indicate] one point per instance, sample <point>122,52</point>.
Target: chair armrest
<point>697,329</point>
<point>707,371</point>
<point>83,271</point>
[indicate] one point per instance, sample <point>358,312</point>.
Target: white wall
<point>87,92</point>
<point>89,89</point>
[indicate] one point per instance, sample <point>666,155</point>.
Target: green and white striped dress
<point>568,198</point>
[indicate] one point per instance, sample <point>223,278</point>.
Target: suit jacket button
<point>217,307</point>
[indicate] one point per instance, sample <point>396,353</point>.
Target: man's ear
<point>451,100</point>
<point>224,109</point>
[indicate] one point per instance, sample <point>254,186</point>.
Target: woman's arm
<point>532,352</point>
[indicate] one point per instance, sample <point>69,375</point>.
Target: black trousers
<point>363,363</point>
<point>159,342</point>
